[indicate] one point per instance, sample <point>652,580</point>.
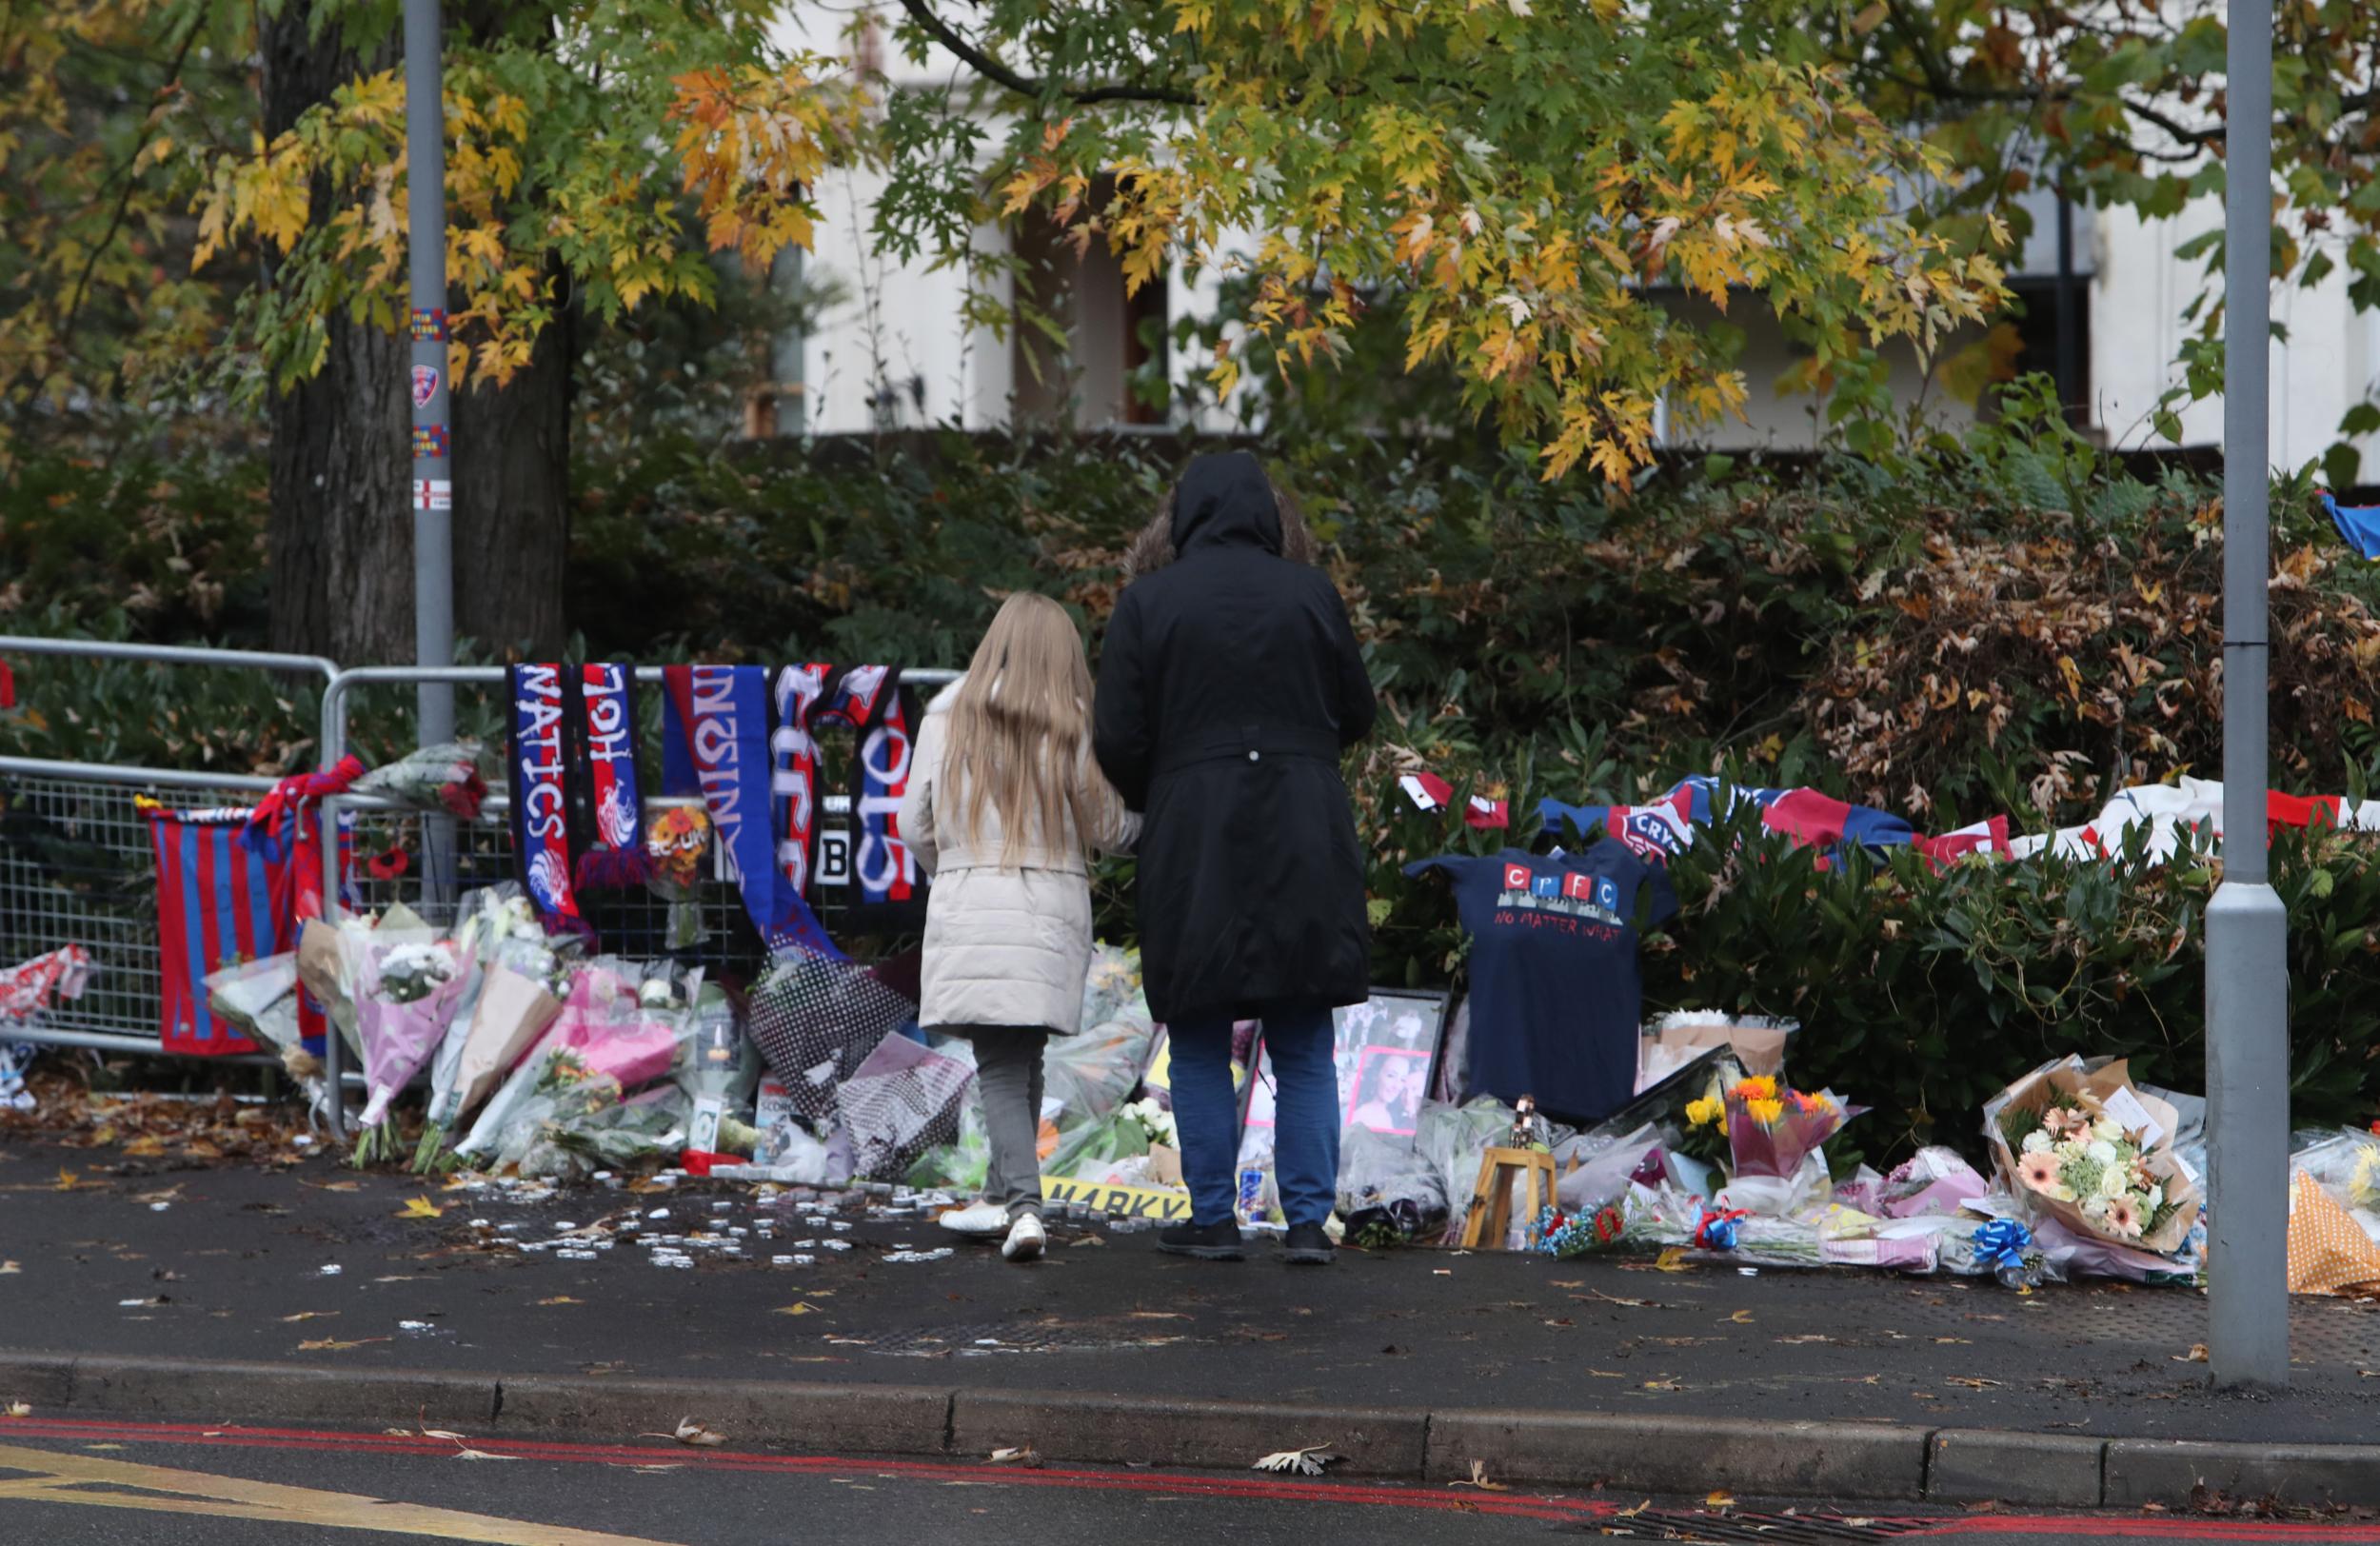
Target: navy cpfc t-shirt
<point>1556,997</point>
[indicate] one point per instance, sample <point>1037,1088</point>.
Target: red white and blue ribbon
<point>540,779</point>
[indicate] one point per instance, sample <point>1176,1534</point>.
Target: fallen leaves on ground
<point>1663,1384</point>
<point>2198,1353</point>
<point>463,1449</point>
<point>329,1344</point>
<point>1953,1341</point>
<point>1597,1295</point>
<point>1805,1338</point>
<point>1741,1318</point>
<point>1479,1480</point>
<point>1673,1258</point>
<point>691,1432</point>
<point>421,1207</point>
<point>1719,1499</point>
<point>1309,1461</point>
<point>9,1269</point>
<point>803,1309</point>
<point>1972,1384</point>
<point>308,1315</point>
<point>1570,1282</point>
<point>561,1298</point>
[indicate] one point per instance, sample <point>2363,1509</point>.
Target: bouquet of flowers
<point>1156,1123</point>
<point>627,1020</point>
<point>406,994</point>
<point>1772,1129</point>
<point>433,778</point>
<point>2083,1146</point>
<point>523,978</point>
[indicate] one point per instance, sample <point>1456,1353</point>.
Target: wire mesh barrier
<point>77,867</point>
<point>78,863</point>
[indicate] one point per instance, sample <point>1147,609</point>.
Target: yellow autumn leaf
<point>421,1207</point>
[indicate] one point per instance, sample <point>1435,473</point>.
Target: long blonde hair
<point>1017,730</point>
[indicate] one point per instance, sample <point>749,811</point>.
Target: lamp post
<point>2248,1050</point>
<point>432,484</point>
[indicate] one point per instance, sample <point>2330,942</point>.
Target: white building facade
<point>893,346</point>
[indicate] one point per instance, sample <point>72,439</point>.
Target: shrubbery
<point>2008,625</point>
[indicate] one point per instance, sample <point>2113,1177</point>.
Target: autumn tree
<point>2123,104</point>
<point>598,155</point>
<point>1523,177</point>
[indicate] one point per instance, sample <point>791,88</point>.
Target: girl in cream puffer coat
<point>1005,807</point>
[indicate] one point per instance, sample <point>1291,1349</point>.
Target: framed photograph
<point>1387,1050</point>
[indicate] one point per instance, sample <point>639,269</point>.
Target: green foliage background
<point>1529,640</point>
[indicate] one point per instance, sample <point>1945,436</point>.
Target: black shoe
<point>1309,1245</point>
<point>1208,1242</point>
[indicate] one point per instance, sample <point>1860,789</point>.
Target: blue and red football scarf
<point>891,892</point>
<point>608,733</point>
<point>544,700</point>
<point>716,746</point>
<point>578,805</point>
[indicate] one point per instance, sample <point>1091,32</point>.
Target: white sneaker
<point>1026,1239</point>
<point>981,1220</point>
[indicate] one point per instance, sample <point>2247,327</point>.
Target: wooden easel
<point>1490,1216</point>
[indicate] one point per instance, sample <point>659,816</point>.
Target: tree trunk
<point>512,495</point>
<point>339,530</point>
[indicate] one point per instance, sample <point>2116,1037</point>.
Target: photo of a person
<point>1388,1090</point>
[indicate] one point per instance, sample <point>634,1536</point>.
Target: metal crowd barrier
<point>80,869</point>
<point>97,888</point>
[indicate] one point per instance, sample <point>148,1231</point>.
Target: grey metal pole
<point>2248,1050</point>
<point>433,474</point>
<point>433,485</point>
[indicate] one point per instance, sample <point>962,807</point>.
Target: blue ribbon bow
<point>2001,1243</point>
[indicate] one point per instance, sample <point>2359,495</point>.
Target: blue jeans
<point>1305,1115</point>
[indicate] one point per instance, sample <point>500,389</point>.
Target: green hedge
<point>2009,623</point>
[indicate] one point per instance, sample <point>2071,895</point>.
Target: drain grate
<point>1778,1528</point>
<point>1028,1337</point>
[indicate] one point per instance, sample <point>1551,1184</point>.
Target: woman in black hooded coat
<point>1229,686</point>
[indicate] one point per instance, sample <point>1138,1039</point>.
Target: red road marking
<point>1221,1486</point>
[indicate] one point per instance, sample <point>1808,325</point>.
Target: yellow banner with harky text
<point>1161,1203</point>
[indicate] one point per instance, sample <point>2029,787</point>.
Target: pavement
<point>170,1289</point>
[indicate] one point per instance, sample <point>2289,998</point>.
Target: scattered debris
<point>1310,1461</point>
<point>1479,1480</point>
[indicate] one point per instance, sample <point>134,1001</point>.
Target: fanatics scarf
<point>717,746</point>
<point>539,774</point>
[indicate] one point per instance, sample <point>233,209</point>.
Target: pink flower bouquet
<point>406,996</point>
<point>1772,1129</point>
<point>623,1025</point>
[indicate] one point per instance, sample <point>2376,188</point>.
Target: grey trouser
<point>1008,1075</point>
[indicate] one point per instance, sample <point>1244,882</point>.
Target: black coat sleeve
<point>1357,706</point>
<point>1120,732</point>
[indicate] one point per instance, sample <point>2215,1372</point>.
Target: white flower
<point>2112,1183</point>
<point>654,992</point>
<point>2094,1207</point>
<point>2108,1130</point>
<point>2102,1151</point>
<point>2036,1141</point>
<point>2154,1198</point>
